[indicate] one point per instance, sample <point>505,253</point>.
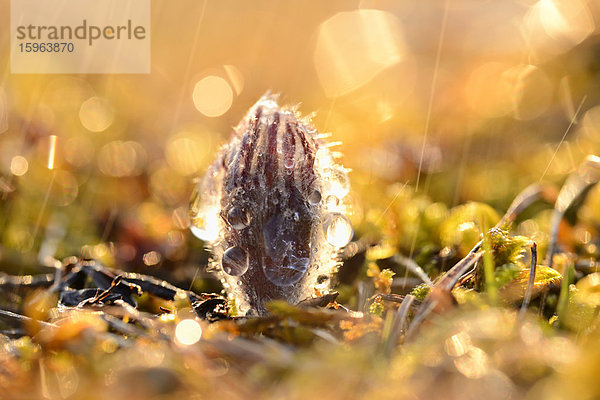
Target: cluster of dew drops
<point>337,227</point>
<point>329,200</point>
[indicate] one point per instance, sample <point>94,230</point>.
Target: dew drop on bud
<point>235,261</point>
<point>288,272</point>
<point>205,226</point>
<point>314,198</point>
<point>204,217</point>
<point>336,182</point>
<point>338,230</point>
<point>332,201</point>
<point>288,163</point>
<point>238,218</point>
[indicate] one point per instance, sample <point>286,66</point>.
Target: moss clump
<point>376,308</point>
<point>507,249</point>
<point>421,291</point>
<point>505,274</point>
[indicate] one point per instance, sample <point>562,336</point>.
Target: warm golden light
<point>495,89</point>
<point>566,19</point>
<point>19,165</point>
<point>65,188</point>
<point>591,123</point>
<point>152,258</point>
<point>212,96</point>
<point>555,26</point>
<point>3,111</point>
<point>188,332</point>
<point>188,152</point>
<point>474,364</point>
<point>487,91</point>
<point>457,345</point>
<point>79,151</point>
<point>235,78</point>
<point>167,185</point>
<point>120,158</point>
<point>96,114</point>
<point>532,91</point>
<point>181,217</point>
<point>52,151</point>
<point>206,240</point>
<point>353,47</point>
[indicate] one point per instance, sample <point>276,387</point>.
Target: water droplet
<point>338,230</point>
<point>336,182</point>
<point>238,218</point>
<point>332,201</point>
<point>288,272</point>
<point>315,197</point>
<point>205,226</point>
<point>235,261</point>
<point>296,216</point>
<point>288,162</point>
<point>204,217</point>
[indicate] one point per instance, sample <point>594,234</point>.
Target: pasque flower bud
<point>271,209</point>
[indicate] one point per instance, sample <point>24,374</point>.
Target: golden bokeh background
<point>475,95</point>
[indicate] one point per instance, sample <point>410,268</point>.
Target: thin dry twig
<point>17,320</point>
<point>531,281</point>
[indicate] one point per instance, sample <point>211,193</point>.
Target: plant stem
<point>488,269</point>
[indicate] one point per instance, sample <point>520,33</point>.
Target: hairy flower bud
<point>271,210</point>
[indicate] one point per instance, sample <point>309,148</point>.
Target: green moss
<point>545,275</point>
<point>376,308</point>
<point>387,274</point>
<point>505,274</point>
<point>507,249</point>
<point>421,291</point>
